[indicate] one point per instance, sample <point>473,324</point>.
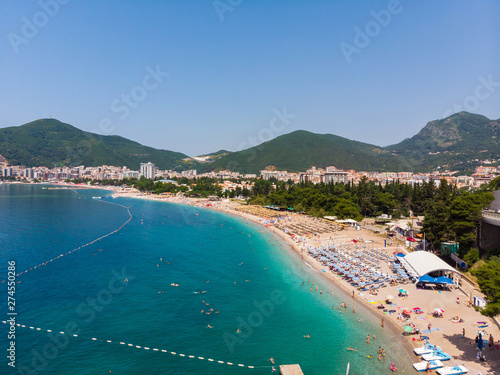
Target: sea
<point>147,287</point>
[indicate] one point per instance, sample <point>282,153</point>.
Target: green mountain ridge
<point>451,142</point>
<point>299,150</point>
<point>454,140</point>
<point>49,142</point>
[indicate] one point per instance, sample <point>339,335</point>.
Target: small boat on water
<point>456,370</point>
<point>437,355</point>
<point>422,366</point>
<point>96,197</point>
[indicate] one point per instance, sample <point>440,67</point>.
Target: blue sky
<point>373,71</point>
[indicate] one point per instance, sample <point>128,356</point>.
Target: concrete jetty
<point>290,370</point>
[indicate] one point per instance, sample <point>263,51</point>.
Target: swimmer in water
<point>351,348</point>
<point>307,336</point>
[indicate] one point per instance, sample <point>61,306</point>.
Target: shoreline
<point>461,349</point>
<point>332,280</point>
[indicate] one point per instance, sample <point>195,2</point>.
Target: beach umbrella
<point>438,310</point>
<point>408,329</point>
<point>416,308</point>
<point>407,311</point>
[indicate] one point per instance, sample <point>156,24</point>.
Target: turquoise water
<point>250,277</point>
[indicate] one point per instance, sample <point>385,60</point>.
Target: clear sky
<point>198,76</point>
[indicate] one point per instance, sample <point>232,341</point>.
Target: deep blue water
<point>249,276</point>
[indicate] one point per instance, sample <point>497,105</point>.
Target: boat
<point>436,355</point>
<point>96,197</point>
<point>422,366</point>
<point>455,370</point>
<point>426,349</point>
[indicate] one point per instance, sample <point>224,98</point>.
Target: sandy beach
<point>443,331</point>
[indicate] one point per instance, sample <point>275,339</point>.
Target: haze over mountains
<point>451,142</point>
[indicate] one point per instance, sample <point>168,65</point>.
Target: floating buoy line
<point>81,247</point>
<point>122,343</point>
<point>126,344</point>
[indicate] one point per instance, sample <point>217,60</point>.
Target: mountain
<point>451,142</point>
<point>299,150</point>
<point>49,142</point>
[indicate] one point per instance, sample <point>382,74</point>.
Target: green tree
<point>488,278</point>
<point>495,184</point>
<point>472,256</point>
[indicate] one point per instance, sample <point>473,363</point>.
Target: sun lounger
<point>437,355</point>
<point>456,370</point>
<point>422,366</point>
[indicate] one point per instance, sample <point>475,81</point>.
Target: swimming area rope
<point>81,247</point>
<point>122,343</point>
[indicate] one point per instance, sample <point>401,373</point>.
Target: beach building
<point>421,263</point>
<point>130,174</point>
<point>7,172</point>
<point>148,170</point>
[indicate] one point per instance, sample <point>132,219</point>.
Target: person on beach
<point>490,342</point>
<point>353,310</point>
<point>382,322</point>
<point>342,304</point>
<point>345,305</point>
<point>368,339</point>
<point>353,294</point>
<point>463,333</point>
<point>393,367</point>
<point>383,353</point>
